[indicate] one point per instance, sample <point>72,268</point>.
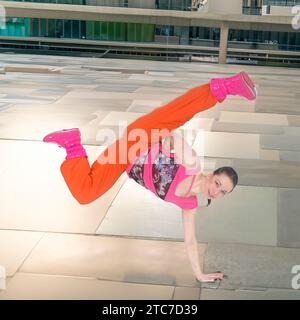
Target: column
<point>223,43</point>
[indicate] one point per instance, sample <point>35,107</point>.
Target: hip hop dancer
<point>155,168</point>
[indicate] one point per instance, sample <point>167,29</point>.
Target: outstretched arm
<point>188,219</point>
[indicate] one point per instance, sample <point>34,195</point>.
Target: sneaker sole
<point>249,85</point>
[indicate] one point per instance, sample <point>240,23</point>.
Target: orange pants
<point>88,183</point>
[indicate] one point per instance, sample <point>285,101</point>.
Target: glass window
<point>35,27</point>
<point>131,32</point>
<point>44,27</point>
<point>82,29</point>
<point>138,31</point>
<point>59,28</point>
<point>51,28</point>
<point>111,31</point>
<point>120,31</point>
<point>89,30</point>
<point>67,29</point>
<point>148,32</point>
<point>96,30</point>
<point>103,30</point>
<point>75,29</point>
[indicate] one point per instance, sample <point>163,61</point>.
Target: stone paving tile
<point>50,90</point>
<point>267,91</point>
<point>293,131</point>
<point>165,84</point>
<point>44,201</point>
<point>285,142</point>
<point>151,89</point>
<point>247,215</point>
<point>141,108</point>
<point>267,173</point>
<point>113,258</point>
<point>147,77</point>
<point>213,113</point>
<point>236,104</point>
<point>21,91</point>
<point>279,107</point>
<point>15,247</point>
<point>161,73</point>
<point>253,118</point>
<point>272,294</point>
<point>218,162</point>
<point>250,266</point>
<point>148,216</point>
<point>233,145</point>
<point>289,156</point>
<point>98,117</point>
<point>114,118</point>
<point>122,82</point>
<point>199,124</point>
<point>116,88</point>
<point>100,96</point>
<point>34,126</point>
<point>225,220</point>
<point>55,287</point>
<point>139,104</point>
<point>4,106</point>
<point>246,128</point>
<point>273,155</point>
<point>186,293</point>
<point>288,218</point>
<point>95,104</point>
<point>100,135</point>
<point>54,109</point>
<point>36,68</point>
<point>53,79</point>
<point>293,121</point>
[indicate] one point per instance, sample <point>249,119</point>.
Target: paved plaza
<point>128,244</point>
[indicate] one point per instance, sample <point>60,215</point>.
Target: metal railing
<point>252,11</point>
<point>153,51</point>
<point>283,3</point>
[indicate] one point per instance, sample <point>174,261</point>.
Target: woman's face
<point>218,185</point>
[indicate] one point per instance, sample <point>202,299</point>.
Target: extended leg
<point>88,183</point>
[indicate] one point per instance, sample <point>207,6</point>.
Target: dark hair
<point>231,173</point>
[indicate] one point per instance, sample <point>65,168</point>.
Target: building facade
<point>164,29</point>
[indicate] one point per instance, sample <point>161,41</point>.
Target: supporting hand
<point>210,277</point>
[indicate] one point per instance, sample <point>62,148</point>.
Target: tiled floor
<point>128,244</point>
<point>49,287</point>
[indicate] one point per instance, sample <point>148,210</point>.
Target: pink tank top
<point>157,171</point>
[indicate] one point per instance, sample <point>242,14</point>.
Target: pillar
<point>223,43</point>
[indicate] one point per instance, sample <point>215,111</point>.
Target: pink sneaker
<point>240,84</point>
<point>70,139</point>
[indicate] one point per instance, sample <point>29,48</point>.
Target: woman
<point>155,168</point>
